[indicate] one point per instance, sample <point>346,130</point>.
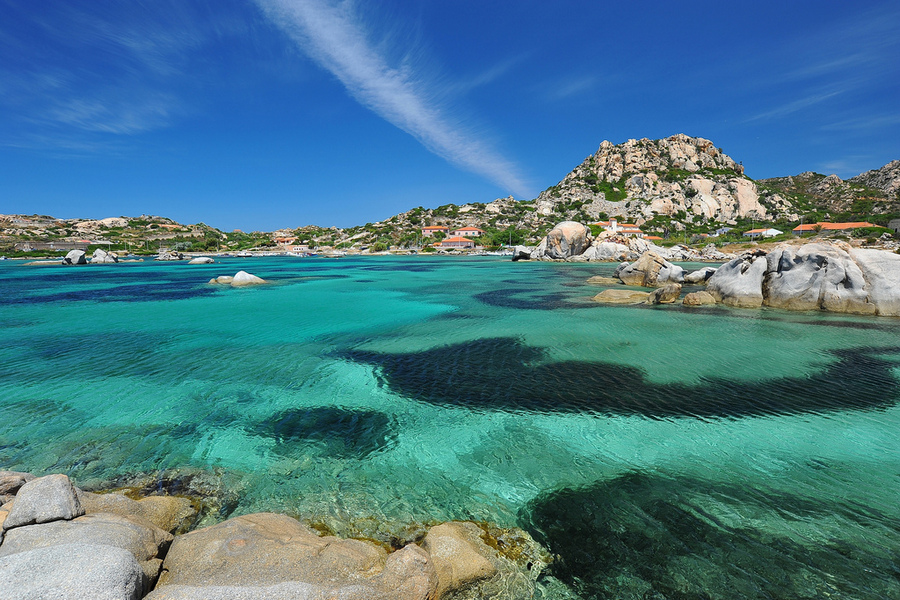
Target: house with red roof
<point>814,227</point>
<point>467,232</point>
<point>456,242</point>
<point>430,230</point>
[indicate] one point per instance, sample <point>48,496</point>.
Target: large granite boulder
<point>201,260</point>
<point>42,500</point>
<point>700,275</point>
<point>833,277</point>
<point>650,270</point>
<point>567,239</point>
<point>254,552</point>
<point>70,571</point>
<point>607,250</point>
<point>739,282</point>
<point>815,276</point>
<point>165,255</point>
<point>882,273</point>
<point>75,257</point>
<point>102,256</point>
<point>521,253</point>
<point>145,542</point>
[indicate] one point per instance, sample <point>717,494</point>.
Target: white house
<point>766,233</point>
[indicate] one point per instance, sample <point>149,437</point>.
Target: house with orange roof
<point>430,230</point>
<point>467,232</point>
<point>456,242</point>
<point>814,227</point>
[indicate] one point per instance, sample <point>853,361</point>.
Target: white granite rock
<point>42,500</point>
<point>71,572</point>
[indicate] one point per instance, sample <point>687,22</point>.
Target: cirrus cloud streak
<point>335,37</point>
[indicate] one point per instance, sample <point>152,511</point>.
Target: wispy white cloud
<point>575,86</point>
<point>793,106</point>
<point>336,37</point>
<point>864,123</point>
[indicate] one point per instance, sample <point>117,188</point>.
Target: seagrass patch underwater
<point>658,452</point>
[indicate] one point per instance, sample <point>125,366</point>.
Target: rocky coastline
<point>831,277</point>
<point>828,276</point>
<point>59,541</point>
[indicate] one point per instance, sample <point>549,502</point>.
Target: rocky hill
<point>868,195</point>
<point>673,182</point>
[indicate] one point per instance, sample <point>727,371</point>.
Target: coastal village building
<point>814,227</point>
<point>766,233</point>
<point>613,227</point>
<point>456,242</point>
<point>430,230</point>
<point>467,232</point>
<point>895,225</point>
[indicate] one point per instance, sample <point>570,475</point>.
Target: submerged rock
<point>621,297</point>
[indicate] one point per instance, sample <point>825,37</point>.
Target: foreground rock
<point>253,553</point>
<point>43,500</point>
<point>10,484</point>
<point>94,571</point>
<point>75,257</point>
<point>650,270</point>
<point>145,542</point>
<point>169,513</point>
<point>102,256</point>
<point>832,277</point>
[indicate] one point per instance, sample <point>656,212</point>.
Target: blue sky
<point>259,114</point>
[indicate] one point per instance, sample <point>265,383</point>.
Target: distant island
<point>678,189</point>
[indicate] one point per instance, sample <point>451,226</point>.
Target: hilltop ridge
<point>670,185</point>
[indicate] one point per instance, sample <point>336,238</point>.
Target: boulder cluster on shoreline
<point>829,277</point>
<point>571,241</point>
<point>58,541</point>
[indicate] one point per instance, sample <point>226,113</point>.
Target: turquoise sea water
<point>659,452</point>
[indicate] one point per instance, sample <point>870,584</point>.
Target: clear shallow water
<point>660,452</point>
